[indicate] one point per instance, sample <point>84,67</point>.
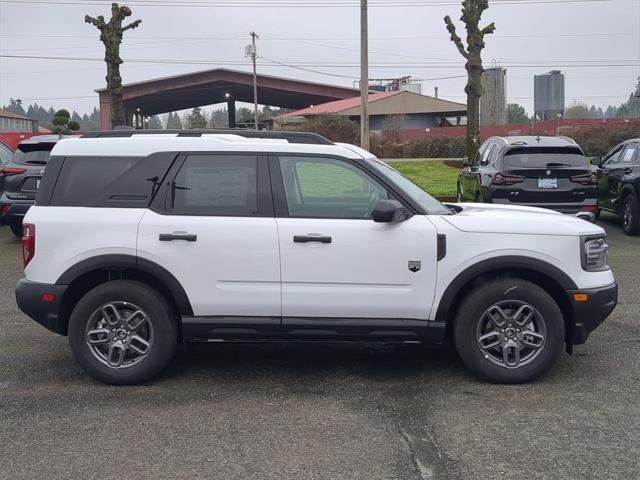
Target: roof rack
<point>291,137</point>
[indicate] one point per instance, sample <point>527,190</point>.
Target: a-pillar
<point>231,112</point>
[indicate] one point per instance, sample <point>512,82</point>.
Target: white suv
<point>142,240</point>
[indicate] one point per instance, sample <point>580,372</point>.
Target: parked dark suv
<point>619,184</point>
<point>20,179</point>
<point>548,172</point>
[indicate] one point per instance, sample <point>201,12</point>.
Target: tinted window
<point>328,188</point>
<point>216,185</point>
<point>544,158</point>
<point>486,155</point>
<point>613,156</point>
<point>109,181</point>
<point>33,153</point>
<point>5,154</point>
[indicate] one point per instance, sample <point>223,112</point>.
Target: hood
<point>492,218</point>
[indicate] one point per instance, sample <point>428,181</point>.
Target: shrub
<point>336,128</point>
<point>60,121</point>
<point>73,126</point>
<point>597,141</point>
<point>62,113</point>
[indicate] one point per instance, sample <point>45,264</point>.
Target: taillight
<point>504,179</point>
<point>8,171</point>
<point>4,211</point>
<point>28,242</point>
<point>588,179</point>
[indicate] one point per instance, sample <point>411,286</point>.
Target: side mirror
<point>389,211</point>
<point>596,161</point>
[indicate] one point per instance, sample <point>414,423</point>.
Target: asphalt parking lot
<point>321,411</point>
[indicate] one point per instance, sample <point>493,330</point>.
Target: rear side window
<point>33,154</point>
<point>216,185</point>
<point>119,182</point>
<point>541,157</point>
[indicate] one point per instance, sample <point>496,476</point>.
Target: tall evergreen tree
<point>197,119</point>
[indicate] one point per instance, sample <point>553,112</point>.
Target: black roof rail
<point>291,137</point>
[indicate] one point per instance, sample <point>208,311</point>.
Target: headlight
<point>595,254</point>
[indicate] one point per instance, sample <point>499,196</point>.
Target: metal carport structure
<point>179,92</point>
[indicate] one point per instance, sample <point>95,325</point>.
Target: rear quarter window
<point>119,182</point>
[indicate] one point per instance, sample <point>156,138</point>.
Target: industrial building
<point>493,103</point>
<point>549,96</point>
<point>400,109</point>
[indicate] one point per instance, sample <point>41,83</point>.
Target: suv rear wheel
<point>122,332</point>
<point>630,218</point>
<point>509,331</point>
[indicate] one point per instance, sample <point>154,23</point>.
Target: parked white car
<point>141,240</point>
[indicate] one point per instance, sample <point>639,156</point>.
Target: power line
<point>298,4</point>
<point>515,64</point>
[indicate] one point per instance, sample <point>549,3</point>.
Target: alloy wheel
<point>119,334</point>
<point>511,333</point>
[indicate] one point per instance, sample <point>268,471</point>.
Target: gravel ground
<point>314,411</point>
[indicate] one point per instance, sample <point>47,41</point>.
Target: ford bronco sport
<point>139,241</point>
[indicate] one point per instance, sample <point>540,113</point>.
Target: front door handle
<point>168,237</point>
<point>627,171</point>
<point>311,238</point>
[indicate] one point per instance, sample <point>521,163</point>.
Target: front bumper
<point>589,314</point>
<point>29,299</point>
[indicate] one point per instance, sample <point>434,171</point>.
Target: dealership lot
<point>321,411</point>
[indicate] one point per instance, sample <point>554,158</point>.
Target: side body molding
<point>512,263</point>
<point>142,265</point>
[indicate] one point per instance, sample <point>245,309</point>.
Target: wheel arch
<point>628,189</point>
<point>88,274</point>
<point>547,276</point>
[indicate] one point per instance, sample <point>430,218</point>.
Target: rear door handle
<point>311,238</point>
<point>169,237</point>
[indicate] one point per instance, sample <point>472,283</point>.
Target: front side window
<point>328,188</point>
<point>216,185</point>
<point>613,156</point>
<point>487,154</point>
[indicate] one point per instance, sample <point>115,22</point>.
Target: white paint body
<point>251,267</point>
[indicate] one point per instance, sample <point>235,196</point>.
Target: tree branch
<point>489,29</point>
<point>98,22</point>
<point>454,37</point>
<point>132,25</point>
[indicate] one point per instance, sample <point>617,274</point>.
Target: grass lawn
<point>435,177</point>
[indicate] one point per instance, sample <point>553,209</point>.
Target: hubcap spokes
<point>119,334</point>
<point>511,333</point>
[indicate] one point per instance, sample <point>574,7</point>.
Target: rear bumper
<point>588,315</point>
<point>29,299</point>
<point>14,211</point>
<point>570,208</point>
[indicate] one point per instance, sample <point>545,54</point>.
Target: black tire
<point>159,321</point>
<point>508,292</point>
<point>630,217</point>
<point>16,229</point>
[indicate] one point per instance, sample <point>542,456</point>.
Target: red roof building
<point>12,122</point>
<point>406,109</point>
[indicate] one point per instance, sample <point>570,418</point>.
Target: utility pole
<point>254,55</point>
<point>364,75</point>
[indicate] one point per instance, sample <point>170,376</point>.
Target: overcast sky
<point>531,37</point>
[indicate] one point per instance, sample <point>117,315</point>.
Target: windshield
<point>418,195</point>
<point>544,158</point>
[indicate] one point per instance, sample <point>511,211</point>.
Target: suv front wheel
<point>122,332</point>
<point>509,331</point>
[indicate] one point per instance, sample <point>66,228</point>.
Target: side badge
<point>415,266</point>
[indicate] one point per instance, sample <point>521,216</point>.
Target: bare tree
<point>111,37</point>
<point>471,15</point>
